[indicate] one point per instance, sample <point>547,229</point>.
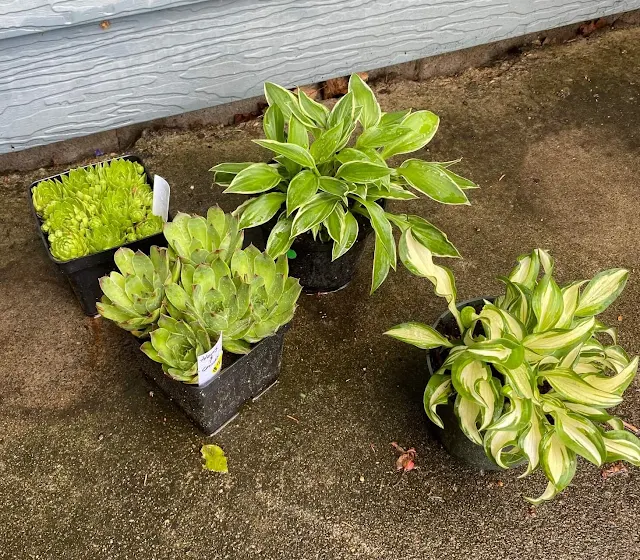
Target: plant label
<point>161,193</point>
<point>209,363</point>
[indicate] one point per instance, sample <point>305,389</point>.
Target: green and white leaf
<point>601,291</point>
<point>419,335</point>
<point>437,392</point>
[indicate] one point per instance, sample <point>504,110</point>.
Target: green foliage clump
<point>330,166</point>
<point>96,208</point>
<point>529,377</point>
<point>202,287</point>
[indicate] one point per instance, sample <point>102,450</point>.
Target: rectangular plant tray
<point>83,273</point>
<point>211,406</point>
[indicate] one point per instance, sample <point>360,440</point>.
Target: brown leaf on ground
<point>613,470</point>
<point>312,90</point>
<point>339,86</point>
<point>589,27</point>
<point>334,87</point>
<point>406,461</point>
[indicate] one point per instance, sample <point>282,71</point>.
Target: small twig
<point>631,428</point>
<point>294,419</point>
<point>145,480</point>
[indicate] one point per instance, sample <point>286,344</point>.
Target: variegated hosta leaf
<point>559,339</point>
<point>529,441</point>
<point>547,304</point>
<point>487,392</point>
<point>591,412</point>
<point>617,356</point>
<point>570,297</point>
<point>465,374</point>
<point>503,351</point>
<point>419,260</point>
<point>495,443</point>
<point>622,446</point>
<point>573,388</point>
<point>517,416</point>
<point>601,291</point>
<point>559,465</point>
<point>526,271</point>
<point>521,378</point>
<point>545,260</point>
<point>516,301</point>
<point>419,335</point>
<point>438,391</point>
<point>467,412</point>
<point>616,384</point>
<point>580,435</point>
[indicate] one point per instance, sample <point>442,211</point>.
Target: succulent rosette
<point>106,205</point>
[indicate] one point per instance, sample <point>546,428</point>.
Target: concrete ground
<point>93,465</point>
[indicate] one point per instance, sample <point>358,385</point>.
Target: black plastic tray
<point>84,273</point>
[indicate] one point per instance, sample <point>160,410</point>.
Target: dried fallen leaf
<point>613,470</point>
<point>406,461</point>
<point>214,458</point>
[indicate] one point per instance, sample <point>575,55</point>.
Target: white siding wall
<point>62,75</point>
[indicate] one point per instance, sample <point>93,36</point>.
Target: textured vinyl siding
<point>79,78</point>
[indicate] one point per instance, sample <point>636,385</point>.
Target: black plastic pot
<point>210,407</point>
<point>452,437</point>
<point>312,263</point>
<point>83,273</point>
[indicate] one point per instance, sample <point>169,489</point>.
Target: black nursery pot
<point>312,264</point>
<point>84,273</point>
<point>210,407</point>
<point>452,437</point>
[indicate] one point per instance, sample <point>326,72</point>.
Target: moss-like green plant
<point>96,208</point>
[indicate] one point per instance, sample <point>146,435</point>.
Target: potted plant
<point>214,314</point>
<point>84,214</point>
<point>525,377</point>
<point>323,194</point>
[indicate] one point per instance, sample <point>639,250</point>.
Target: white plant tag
<point>161,194</point>
<point>210,363</point>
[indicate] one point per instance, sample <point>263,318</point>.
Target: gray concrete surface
<point>93,466</point>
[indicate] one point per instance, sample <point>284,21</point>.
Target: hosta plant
<point>95,208</point>
<point>211,288</point>
<point>330,166</point>
<point>531,376</point>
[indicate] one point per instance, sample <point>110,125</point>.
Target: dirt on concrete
<point>95,463</point>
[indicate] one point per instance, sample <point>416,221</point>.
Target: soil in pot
<point>452,437</point>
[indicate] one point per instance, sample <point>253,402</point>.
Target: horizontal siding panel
<point>22,17</point>
<point>79,80</point>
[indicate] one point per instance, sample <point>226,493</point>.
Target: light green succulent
<point>107,204</point>
<point>244,303</point>
<point>529,375</point>
<point>134,298</point>
<point>214,289</point>
<point>176,345</point>
<point>198,240</point>
<point>66,245</point>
